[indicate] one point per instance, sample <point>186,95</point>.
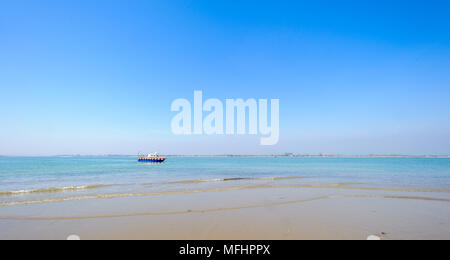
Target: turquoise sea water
<point>40,178</point>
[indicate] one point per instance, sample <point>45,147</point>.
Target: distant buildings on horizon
<point>284,155</point>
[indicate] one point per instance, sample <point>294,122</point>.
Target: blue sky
<point>98,77</point>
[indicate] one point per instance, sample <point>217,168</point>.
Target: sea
<point>35,180</point>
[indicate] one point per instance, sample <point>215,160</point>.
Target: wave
<point>193,181</point>
<point>236,179</point>
<point>212,210</point>
<point>346,186</point>
<point>52,190</point>
<point>88,187</point>
<point>235,188</point>
<point>122,195</point>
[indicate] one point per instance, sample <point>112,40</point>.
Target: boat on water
<point>151,158</point>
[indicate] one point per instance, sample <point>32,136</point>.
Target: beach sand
<point>257,213</point>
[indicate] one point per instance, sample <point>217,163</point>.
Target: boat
<point>151,158</point>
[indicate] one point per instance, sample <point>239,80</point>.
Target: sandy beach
<point>263,211</point>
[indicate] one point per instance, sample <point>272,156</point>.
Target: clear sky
<point>98,77</point>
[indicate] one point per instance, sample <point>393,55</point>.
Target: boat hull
<point>151,159</point>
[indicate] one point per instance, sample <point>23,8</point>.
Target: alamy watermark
<point>235,117</point>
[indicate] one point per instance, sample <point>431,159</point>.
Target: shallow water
<point>33,180</point>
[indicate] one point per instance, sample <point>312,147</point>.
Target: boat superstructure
<point>151,158</point>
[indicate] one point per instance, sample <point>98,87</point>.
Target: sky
<point>98,77</point>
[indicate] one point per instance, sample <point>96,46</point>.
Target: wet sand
<point>264,211</point>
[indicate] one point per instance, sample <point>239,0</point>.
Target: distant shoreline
<point>318,156</point>
<point>250,156</point>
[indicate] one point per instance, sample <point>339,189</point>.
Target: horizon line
<point>290,155</point>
